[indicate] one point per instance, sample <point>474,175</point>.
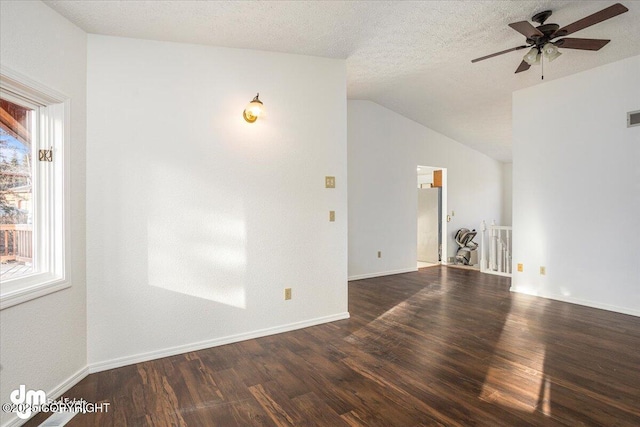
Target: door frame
<point>443,212</point>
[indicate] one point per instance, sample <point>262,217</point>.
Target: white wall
<point>197,220</point>
<point>576,188</point>
<point>384,150</point>
<point>43,341</point>
<point>507,193</point>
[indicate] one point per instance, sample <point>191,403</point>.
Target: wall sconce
<point>253,110</point>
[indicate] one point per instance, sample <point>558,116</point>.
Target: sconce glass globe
<point>254,110</point>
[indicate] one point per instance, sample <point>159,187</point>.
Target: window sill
<point>24,294</point>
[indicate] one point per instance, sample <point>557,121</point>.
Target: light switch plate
<point>330,182</point>
<point>332,216</point>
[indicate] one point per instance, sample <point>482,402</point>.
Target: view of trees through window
<point>16,190</point>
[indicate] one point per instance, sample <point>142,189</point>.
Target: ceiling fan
<point>540,39</point>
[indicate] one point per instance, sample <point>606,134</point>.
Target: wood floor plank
<point>273,409</point>
<point>438,347</point>
<point>316,412</point>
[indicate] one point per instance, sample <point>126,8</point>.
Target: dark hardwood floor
<point>442,346</point>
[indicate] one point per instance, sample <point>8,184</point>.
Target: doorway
<point>431,194</point>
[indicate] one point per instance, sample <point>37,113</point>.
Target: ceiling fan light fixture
<point>532,57</point>
<point>550,51</point>
<point>554,56</point>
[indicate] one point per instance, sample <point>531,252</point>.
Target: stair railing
<point>495,249</point>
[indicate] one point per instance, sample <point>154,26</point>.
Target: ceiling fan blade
<point>590,20</point>
<point>526,29</point>
<point>499,53</point>
<point>583,44</point>
<point>522,67</point>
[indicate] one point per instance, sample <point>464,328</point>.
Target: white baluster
<point>508,270</point>
<point>483,264</point>
<point>495,253</point>
<point>494,248</point>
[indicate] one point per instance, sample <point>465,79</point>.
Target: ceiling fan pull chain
<point>542,65</point>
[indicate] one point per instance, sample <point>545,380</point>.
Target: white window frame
<point>51,190</point>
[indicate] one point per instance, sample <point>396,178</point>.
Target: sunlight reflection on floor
<point>512,384</point>
<point>399,313</point>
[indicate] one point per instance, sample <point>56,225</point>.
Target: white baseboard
<point>586,303</point>
<point>172,351</point>
<point>54,394</point>
<point>382,273</point>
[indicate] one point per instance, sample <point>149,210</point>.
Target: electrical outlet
<point>332,216</point>
<point>379,254</point>
<point>543,270</point>
<point>287,293</point>
<point>330,182</point>
<point>520,268</point>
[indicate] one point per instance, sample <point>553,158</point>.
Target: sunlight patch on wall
<point>196,235</point>
<point>202,261</point>
<point>534,237</point>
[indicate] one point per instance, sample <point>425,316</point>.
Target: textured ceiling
<point>411,57</point>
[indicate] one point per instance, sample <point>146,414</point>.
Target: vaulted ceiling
<point>411,57</point>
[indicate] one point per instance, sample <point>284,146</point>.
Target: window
<point>33,196</point>
<point>16,190</point>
